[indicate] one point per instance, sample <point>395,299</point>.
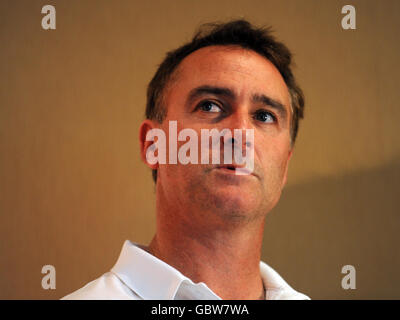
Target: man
<point>210,219</point>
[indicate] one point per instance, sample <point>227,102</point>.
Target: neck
<point>224,255</point>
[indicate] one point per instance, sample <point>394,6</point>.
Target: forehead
<point>242,70</point>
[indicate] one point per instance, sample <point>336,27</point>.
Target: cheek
<point>273,157</point>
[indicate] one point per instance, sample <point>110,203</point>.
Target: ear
<point>144,129</point>
<point>287,167</point>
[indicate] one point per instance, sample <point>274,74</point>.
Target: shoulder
<point>106,287</point>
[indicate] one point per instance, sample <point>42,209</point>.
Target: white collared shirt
<point>139,275</point>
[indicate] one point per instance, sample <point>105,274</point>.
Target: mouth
<point>227,167</point>
<point>234,170</point>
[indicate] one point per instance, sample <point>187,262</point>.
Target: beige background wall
<point>72,187</point>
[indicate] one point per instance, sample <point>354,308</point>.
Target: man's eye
<point>209,106</point>
<point>265,116</point>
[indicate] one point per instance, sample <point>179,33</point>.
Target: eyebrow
<point>268,101</point>
<point>202,90</point>
<point>222,91</point>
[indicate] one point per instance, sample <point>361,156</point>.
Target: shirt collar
<point>276,287</point>
<point>152,278</point>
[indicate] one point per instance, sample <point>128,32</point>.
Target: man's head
<point>240,33</point>
<point>230,76</point>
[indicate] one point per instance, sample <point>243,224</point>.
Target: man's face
<point>228,88</point>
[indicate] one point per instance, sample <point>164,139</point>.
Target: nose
<point>240,119</point>
<point>240,126</point>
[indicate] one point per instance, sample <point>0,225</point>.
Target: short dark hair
<point>238,33</point>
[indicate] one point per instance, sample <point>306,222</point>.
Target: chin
<point>227,195</point>
<point>233,201</point>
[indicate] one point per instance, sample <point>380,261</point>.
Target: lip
<point>232,170</point>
